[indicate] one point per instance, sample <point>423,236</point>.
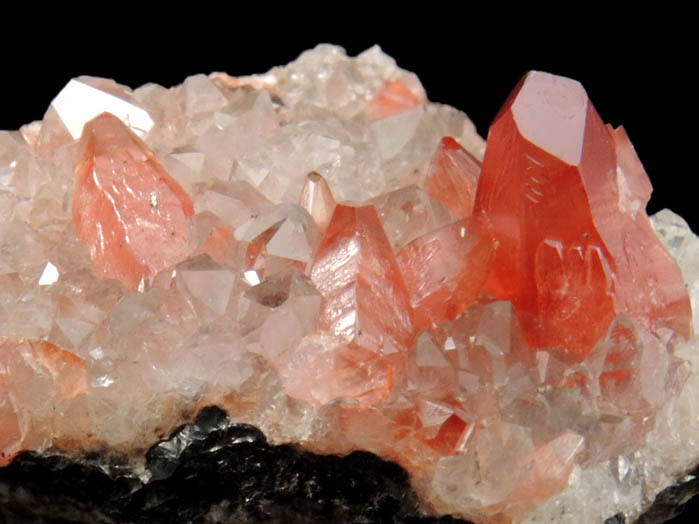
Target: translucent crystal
<point>574,251</point>
<point>318,200</point>
<point>85,98</point>
<point>129,211</point>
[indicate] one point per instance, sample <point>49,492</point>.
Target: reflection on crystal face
<point>127,236</point>
<point>79,102</point>
<point>49,275</point>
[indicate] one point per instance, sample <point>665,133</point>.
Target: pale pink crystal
<point>394,98</point>
<point>126,208</point>
<point>452,177</point>
<point>42,373</point>
<point>317,199</point>
<point>444,270</point>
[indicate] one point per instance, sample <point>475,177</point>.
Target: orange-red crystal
<point>129,211</point>
<point>452,177</point>
<point>445,269</point>
<point>559,188</point>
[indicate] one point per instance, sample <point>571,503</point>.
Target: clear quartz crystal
<point>304,248</point>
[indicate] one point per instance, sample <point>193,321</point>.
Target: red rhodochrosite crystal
<point>364,300</point>
<point>445,270</point>
<point>563,201</point>
<point>126,208</point>
<point>452,177</point>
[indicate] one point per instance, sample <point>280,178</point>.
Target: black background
<point>638,76</point>
<point>637,72</point>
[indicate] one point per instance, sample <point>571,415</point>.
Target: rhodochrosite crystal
<point>566,196</point>
<point>325,254</point>
<point>126,208</point>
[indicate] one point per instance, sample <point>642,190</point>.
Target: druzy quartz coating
<point>327,255</point>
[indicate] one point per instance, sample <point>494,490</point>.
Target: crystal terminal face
<point>329,256</point>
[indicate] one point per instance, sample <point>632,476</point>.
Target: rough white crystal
<point>79,102</point>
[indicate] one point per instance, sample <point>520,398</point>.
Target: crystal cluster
<point>329,256</point>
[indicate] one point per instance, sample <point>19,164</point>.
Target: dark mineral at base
<point>215,471</point>
<point>210,471</point>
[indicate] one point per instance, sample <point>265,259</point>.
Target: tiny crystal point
<point>317,199</point>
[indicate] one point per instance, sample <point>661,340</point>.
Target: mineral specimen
<point>126,208</point>
<point>567,196</point>
<point>319,252</point>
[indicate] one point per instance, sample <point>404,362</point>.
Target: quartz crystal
<point>327,255</point>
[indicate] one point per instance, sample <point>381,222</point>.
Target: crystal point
<point>317,199</point>
<point>364,302</point>
<point>452,177</point>
<point>569,255</point>
<point>364,295</point>
<point>126,208</point>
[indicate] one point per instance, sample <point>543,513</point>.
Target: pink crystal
<point>365,302</point>
<point>573,252</point>
<point>317,199</point>
<point>394,98</point>
<point>444,270</point>
<point>41,373</point>
<point>452,177</point>
<point>126,208</point>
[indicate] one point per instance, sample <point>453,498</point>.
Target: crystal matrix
<point>318,251</point>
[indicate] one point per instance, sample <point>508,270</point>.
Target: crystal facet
<point>573,253</point>
<point>452,177</point>
<point>129,211</point>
